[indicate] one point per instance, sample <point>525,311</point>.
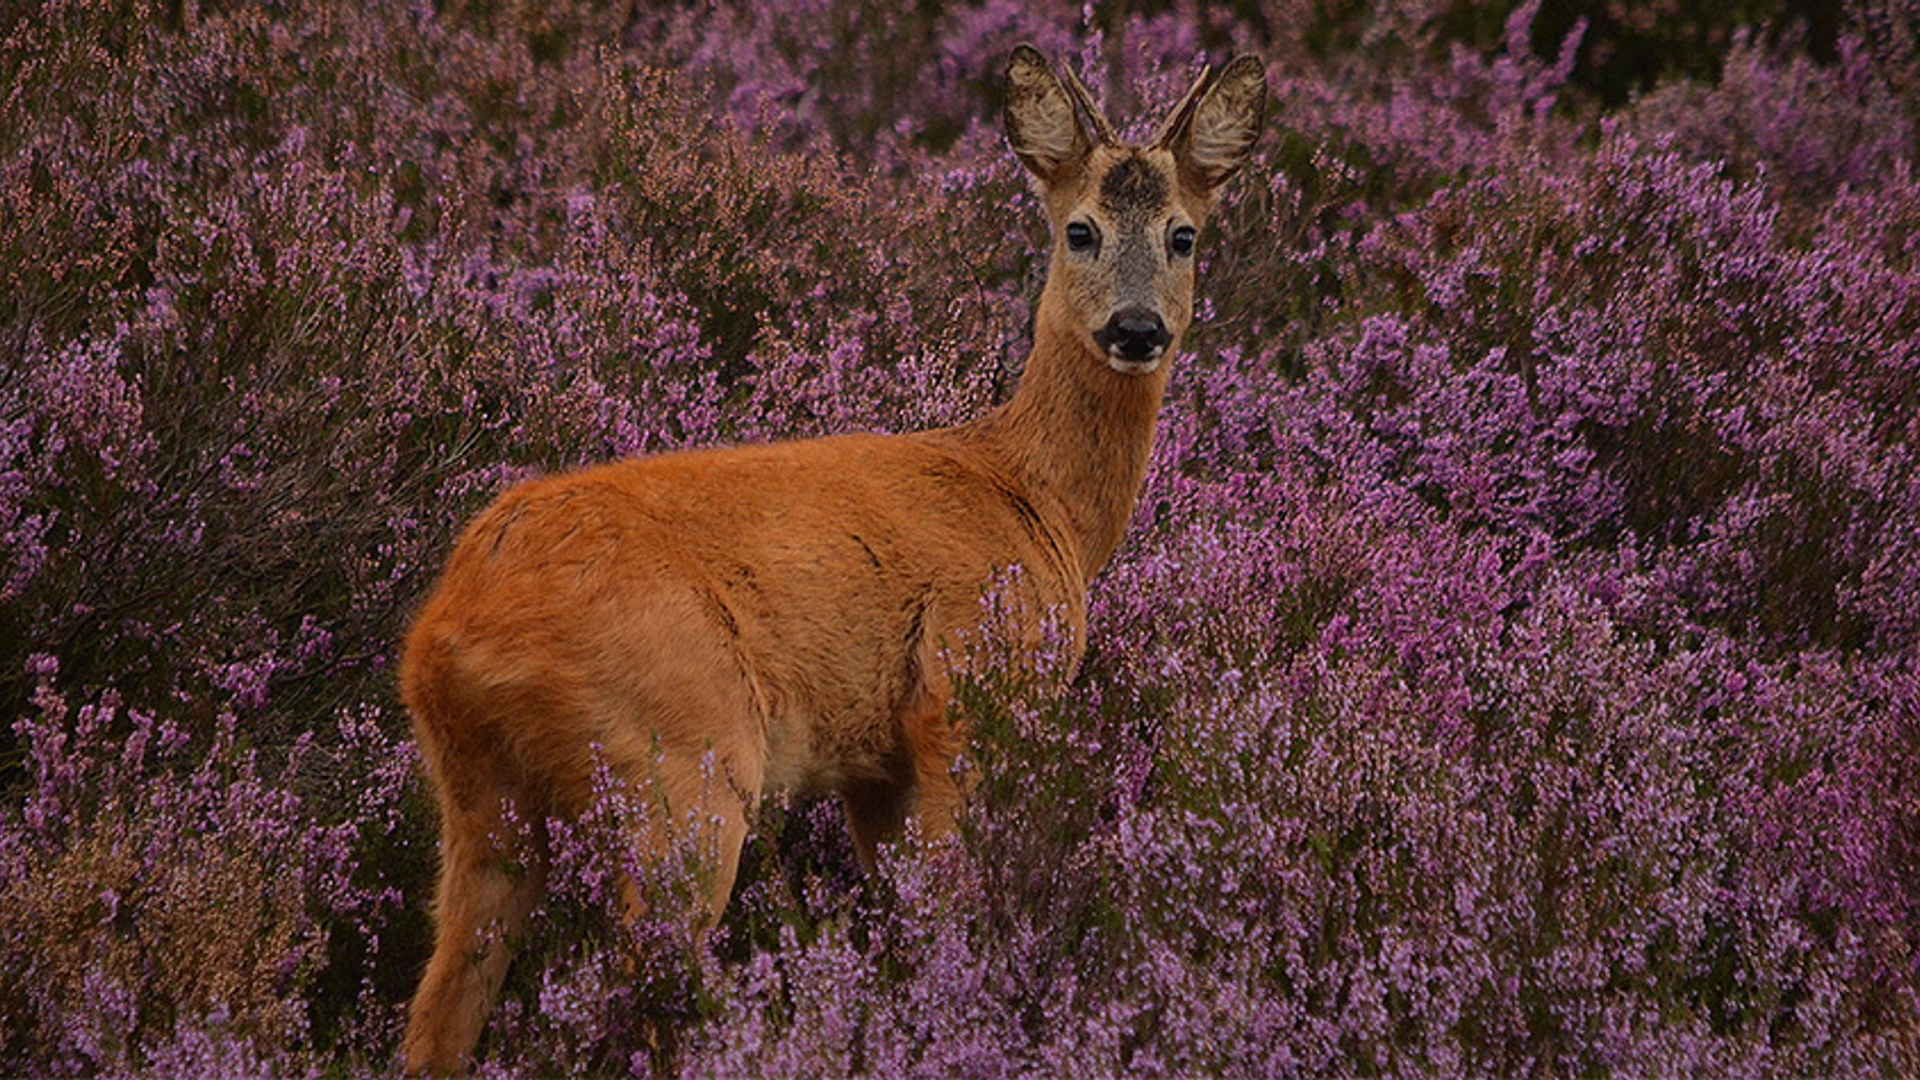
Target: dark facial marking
<point>1132,185</point>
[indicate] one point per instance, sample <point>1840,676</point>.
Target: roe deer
<point>775,614</point>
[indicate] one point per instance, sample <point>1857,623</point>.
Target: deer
<point>728,622</point>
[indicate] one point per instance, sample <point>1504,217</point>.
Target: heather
<point>1510,668</point>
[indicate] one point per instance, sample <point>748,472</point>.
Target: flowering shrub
<point>1510,669</point>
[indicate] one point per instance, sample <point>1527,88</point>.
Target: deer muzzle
<point>1134,334</point>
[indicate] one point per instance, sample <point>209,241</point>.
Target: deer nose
<point>1134,334</point>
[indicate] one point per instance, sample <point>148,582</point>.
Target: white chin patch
<point>1134,367</point>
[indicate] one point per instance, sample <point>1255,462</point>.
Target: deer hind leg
<point>697,823</point>
<point>686,843</point>
<point>492,873</point>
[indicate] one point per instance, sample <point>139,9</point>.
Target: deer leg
<point>923,786</point>
<point>721,835</point>
<point>933,744</point>
<point>876,812</point>
<point>700,815</point>
<point>491,877</point>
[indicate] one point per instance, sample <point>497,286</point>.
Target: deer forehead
<point>1133,186</point>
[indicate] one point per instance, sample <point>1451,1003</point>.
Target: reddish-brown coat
<point>726,622</point>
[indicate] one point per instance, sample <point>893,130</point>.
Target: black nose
<point>1134,334</point>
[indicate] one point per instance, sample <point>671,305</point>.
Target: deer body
<point>727,622</point>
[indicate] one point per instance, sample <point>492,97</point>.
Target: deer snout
<point>1134,334</point>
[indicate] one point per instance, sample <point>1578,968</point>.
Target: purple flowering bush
<point>1511,668</point>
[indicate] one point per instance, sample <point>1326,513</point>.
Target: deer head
<point>1126,217</point>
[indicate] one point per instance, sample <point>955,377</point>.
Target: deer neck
<point>1077,434</point>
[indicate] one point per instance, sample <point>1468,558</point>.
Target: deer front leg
<point>876,812</point>
<point>923,787</point>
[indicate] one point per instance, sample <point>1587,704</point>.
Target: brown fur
<point>783,608</point>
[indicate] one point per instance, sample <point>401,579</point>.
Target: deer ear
<point>1042,127</point>
<point>1216,124</point>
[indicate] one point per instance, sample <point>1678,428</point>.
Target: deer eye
<point>1080,236</point>
<point>1182,240</point>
